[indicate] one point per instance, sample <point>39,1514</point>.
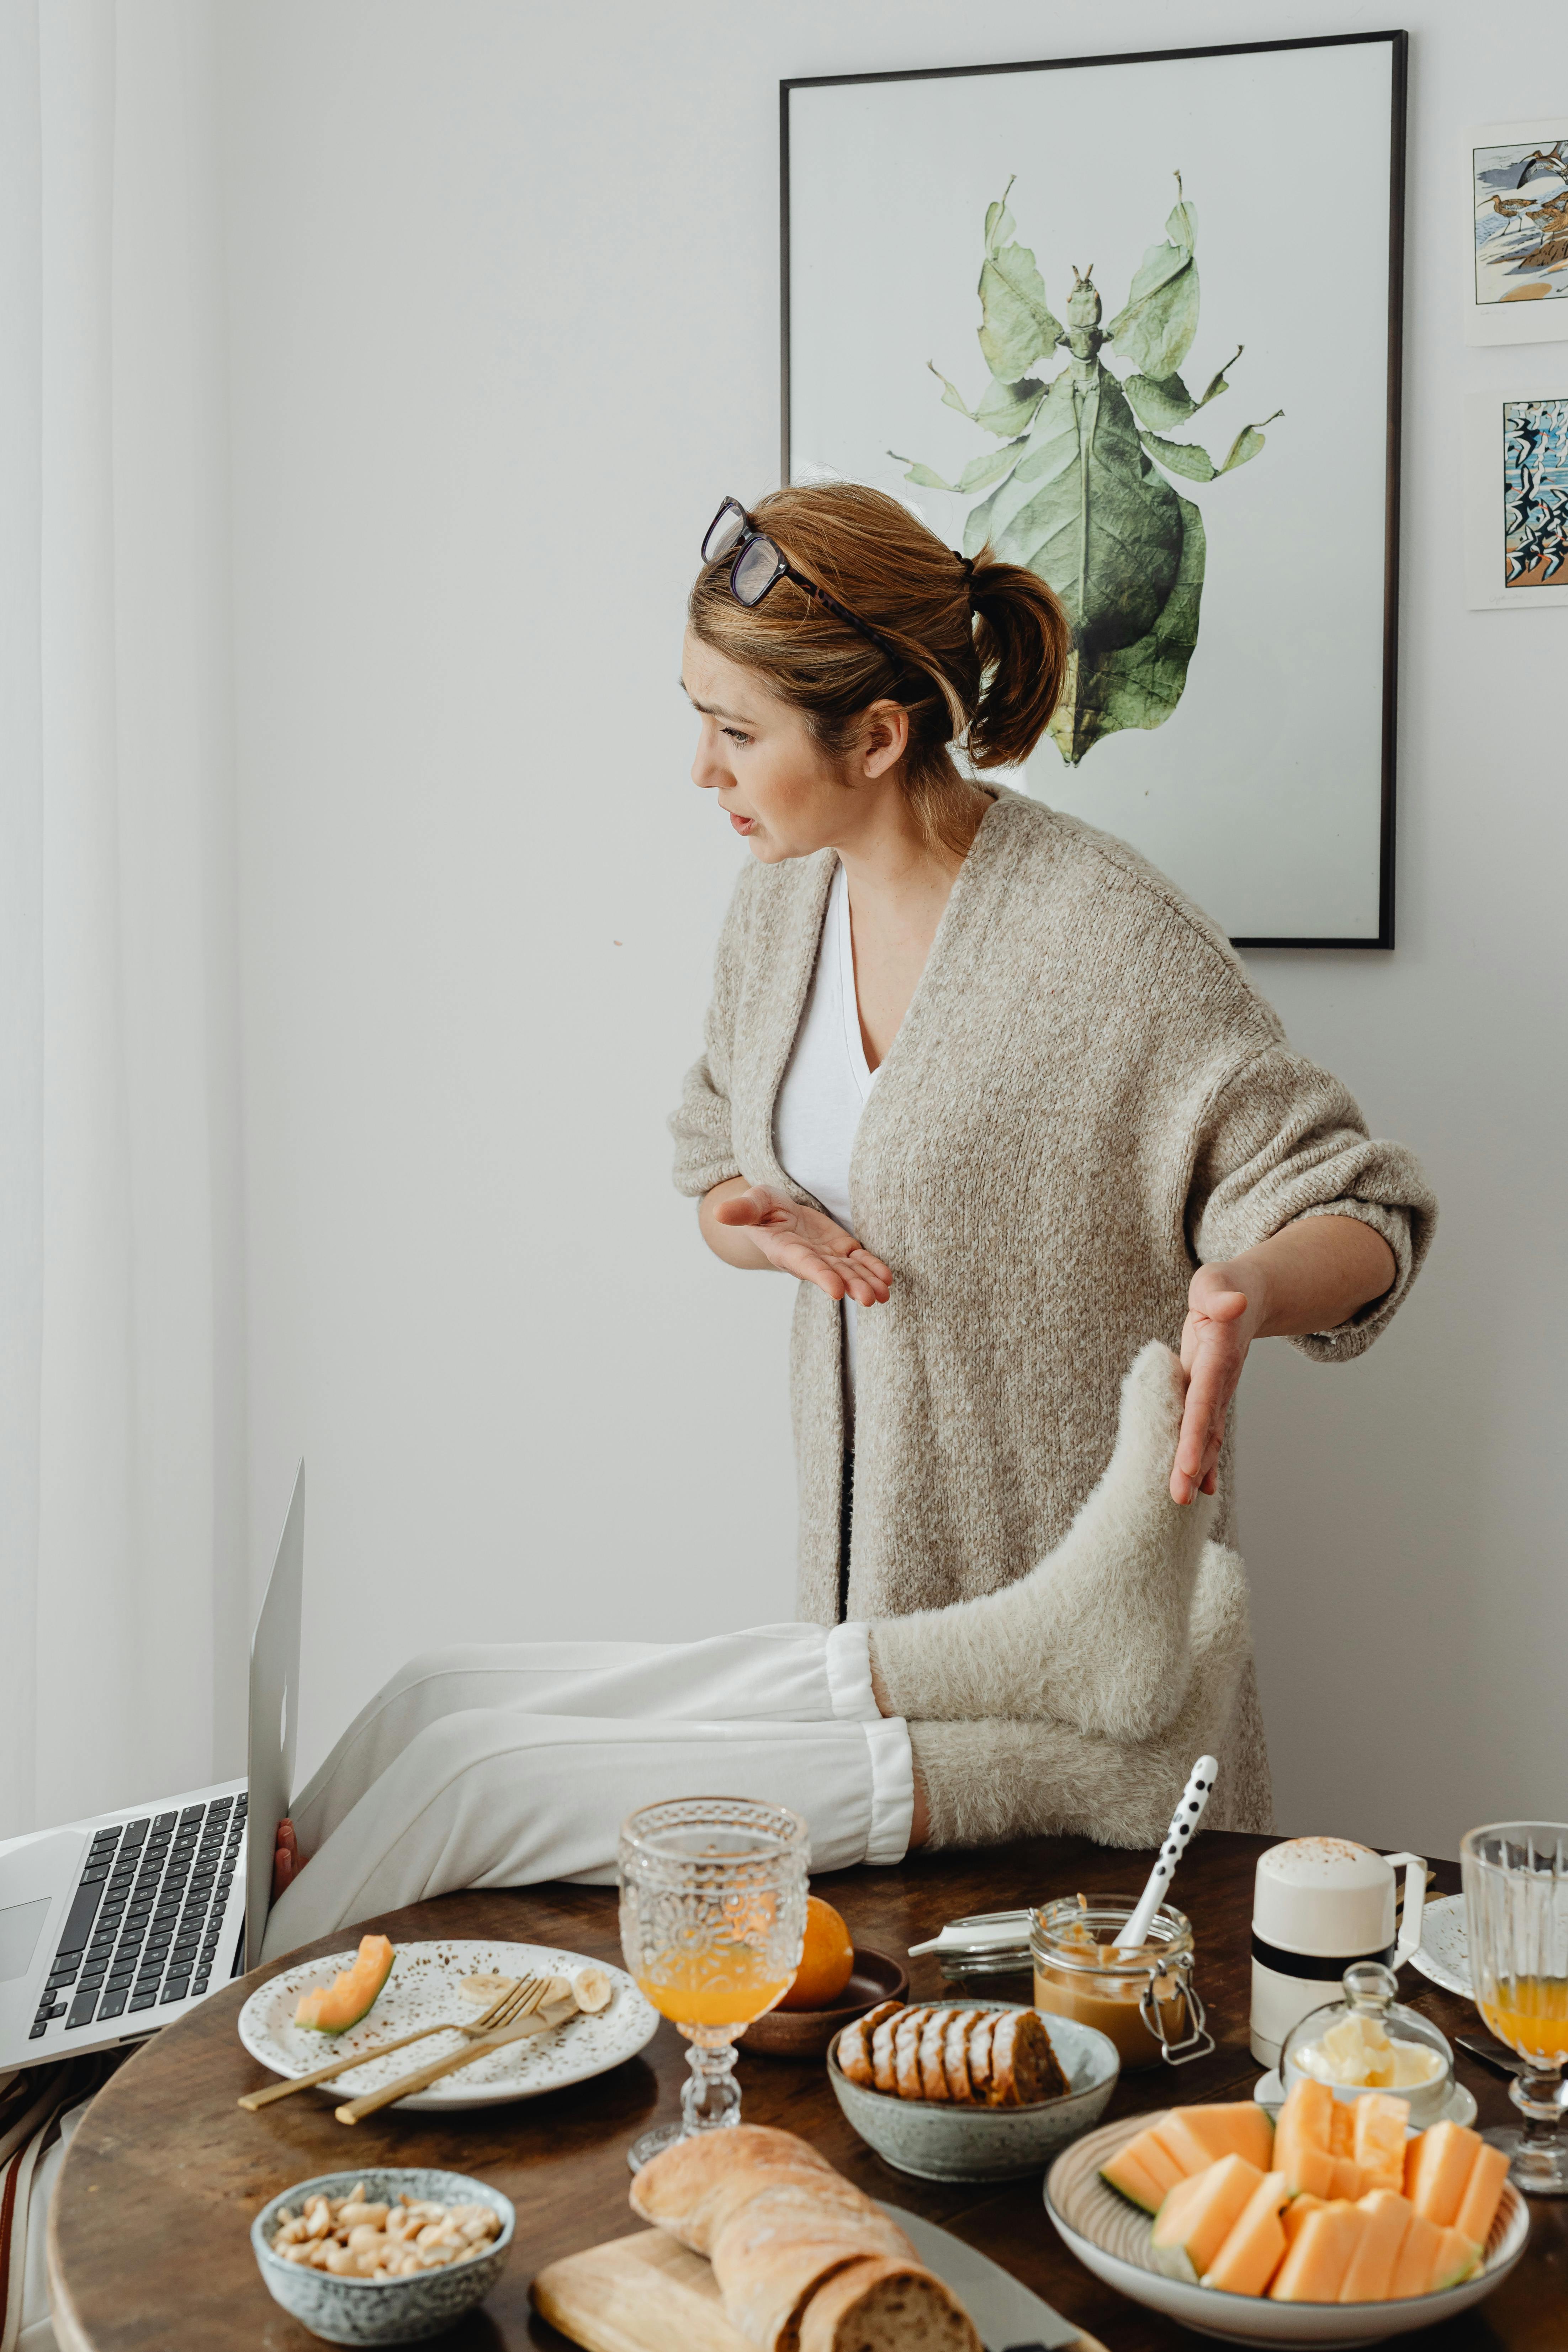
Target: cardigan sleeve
<point>704,1146</point>
<point>1282,1140</point>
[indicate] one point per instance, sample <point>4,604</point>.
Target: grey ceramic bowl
<point>938,2142</point>
<point>391,2311</point>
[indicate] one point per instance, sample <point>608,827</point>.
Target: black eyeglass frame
<point>751,536</point>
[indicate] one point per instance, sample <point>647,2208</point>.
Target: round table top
<point>149,2244</point>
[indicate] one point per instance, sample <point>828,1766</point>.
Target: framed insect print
<point>1135,322</point>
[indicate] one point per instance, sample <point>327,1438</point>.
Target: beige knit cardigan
<point>1086,1098</point>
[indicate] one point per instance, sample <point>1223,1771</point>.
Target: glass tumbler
<point>712,1925</point>
<point>1516,1907</point>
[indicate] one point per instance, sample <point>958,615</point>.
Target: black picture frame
<point>1398,43</point>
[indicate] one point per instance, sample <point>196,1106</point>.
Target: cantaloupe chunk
<point>1144,2171</point>
<point>1199,2215</point>
<point>1457,2256</point>
<point>1437,2166</point>
<point>1371,2270</point>
<point>1432,2258</point>
<point>1483,2193</point>
<point>1342,2127</point>
<point>1314,2269</point>
<point>1255,2246</point>
<point>1232,2128</point>
<point>1296,2213</point>
<point>1379,2143</point>
<point>1346,2178</point>
<point>1417,2258</point>
<point>1302,2147</point>
<point>1185,2142</point>
<point>353,1993</point>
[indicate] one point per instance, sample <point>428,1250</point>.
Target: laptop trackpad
<point>20,1928</point>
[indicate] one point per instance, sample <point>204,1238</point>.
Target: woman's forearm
<point>734,1244</point>
<point>1313,1276</point>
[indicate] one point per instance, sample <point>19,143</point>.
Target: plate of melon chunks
<point>1335,2224</point>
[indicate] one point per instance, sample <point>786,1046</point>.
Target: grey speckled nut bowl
<point>389,2311</point>
<point>938,2142</point>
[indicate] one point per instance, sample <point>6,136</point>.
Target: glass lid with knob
<point>1370,2042</point>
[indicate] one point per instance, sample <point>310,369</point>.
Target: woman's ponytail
<point>1024,639</point>
<point>976,652</point>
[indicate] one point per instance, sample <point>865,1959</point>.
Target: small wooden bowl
<point>807,2032</point>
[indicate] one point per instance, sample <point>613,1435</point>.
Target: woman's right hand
<point>798,1241</point>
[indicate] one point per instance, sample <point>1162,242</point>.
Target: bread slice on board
<point>886,2307</point>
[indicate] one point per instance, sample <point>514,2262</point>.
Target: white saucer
<point>423,1987</point>
<point>1443,1954</point>
<point>1461,2108</point>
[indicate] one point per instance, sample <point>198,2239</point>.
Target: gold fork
<point>519,2022</point>
<point>500,2011</point>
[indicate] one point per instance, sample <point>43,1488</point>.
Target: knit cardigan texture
<point>1086,1098</point>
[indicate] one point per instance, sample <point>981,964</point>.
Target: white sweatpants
<point>508,1764</point>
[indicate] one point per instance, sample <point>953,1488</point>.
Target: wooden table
<point>150,2249</point>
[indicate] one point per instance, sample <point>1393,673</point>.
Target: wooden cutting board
<point>646,2294</point>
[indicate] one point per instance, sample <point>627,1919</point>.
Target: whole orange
<point>826,1961</point>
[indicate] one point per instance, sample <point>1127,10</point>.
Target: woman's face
<point>773,782</point>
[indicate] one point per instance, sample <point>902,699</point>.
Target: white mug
<point>1319,1903</point>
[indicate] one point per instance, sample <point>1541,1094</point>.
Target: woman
<point>983,1075</point>
<point>1035,1086</point>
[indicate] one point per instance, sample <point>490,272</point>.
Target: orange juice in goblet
<point>712,1925</point>
<point>1516,1908</point>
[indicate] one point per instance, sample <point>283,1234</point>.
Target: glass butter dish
<point>1369,2041</point>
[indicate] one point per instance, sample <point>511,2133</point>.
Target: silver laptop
<point>114,1927</point>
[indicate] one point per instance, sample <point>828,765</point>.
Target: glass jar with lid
<point>1145,1999</point>
<point>1368,2041</point>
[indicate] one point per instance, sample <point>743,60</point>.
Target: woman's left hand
<point>1220,1328</point>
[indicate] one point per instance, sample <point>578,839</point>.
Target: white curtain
<point>122,1609</point>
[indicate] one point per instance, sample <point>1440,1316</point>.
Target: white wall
<point>504,329</point>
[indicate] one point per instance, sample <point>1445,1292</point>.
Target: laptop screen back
<point>274,1710</point>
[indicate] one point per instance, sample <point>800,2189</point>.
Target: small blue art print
<point>1521,196</point>
<point>1535,493</point>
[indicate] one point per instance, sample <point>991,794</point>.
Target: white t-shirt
<point>825,1087</point>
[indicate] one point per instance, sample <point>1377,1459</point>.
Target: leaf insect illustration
<point>1072,493</point>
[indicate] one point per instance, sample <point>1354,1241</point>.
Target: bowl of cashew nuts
<point>385,2255</point>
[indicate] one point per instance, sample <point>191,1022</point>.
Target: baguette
<point>886,2307</point>
<point>773,2254</point>
<point>800,2257</point>
<point>694,2187</point>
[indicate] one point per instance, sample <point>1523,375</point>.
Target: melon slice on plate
<point>333,2008</point>
<point>1314,2269</point>
<point>1370,2272</point>
<point>1143,2172</point>
<point>1483,2193</point>
<point>1379,2142</point>
<point>1458,2257</point>
<point>1255,2245</point>
<point>1303,2146</point>
<point>1179,2145</point>
<point>1431,2258</point>
<point>1296,2213</point>
<point>1198,2216</point>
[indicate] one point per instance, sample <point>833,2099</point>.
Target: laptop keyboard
<point>147,1914</point>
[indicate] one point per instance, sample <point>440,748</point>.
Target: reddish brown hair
<point>980,657</point>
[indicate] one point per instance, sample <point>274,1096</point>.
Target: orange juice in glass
<point>712,1923</point>
<point>1516,1910</point>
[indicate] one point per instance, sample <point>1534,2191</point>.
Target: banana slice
<point>593,1990</point>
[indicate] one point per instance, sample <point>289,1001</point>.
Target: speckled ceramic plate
<point>423,1987</point>
<point>1443,1954</point>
